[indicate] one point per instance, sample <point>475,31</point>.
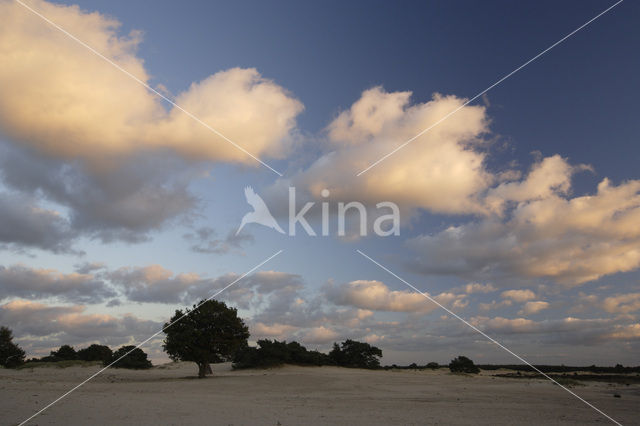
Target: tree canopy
<point>210,332</point>
<point>11,355</point>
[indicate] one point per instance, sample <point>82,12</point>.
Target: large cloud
<point>25,282</point>
<point>126,202</point>
<point>87,137</point>
<point>156,284</point>
<point>25,223</point>
<point>39,327</point>
<point>65,101</point>
<point>565,330</point>
<point>442,171</point>
<point>547,233</point>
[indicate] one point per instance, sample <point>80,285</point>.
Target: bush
<point>11,355</point>
<point>65,353</point>
<point>462,364</point>
<point>95,353</point>
<point>355,354</point>
<point>137,359</point>
<point>433,365</point>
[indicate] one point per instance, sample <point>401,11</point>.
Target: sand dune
<point>170,395</point>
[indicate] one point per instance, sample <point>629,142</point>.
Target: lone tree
<point>462,364</point>
<point>210,332</point>
<point>10,354</point>
<point>137,359</point>
<point>352,353</point>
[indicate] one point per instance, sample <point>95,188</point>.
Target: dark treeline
<point>136,359</point>
<point>271,353</point>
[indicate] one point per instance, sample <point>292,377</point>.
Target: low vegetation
<point>462,364</point>
<point>11,356</point>
<point>271,353</point>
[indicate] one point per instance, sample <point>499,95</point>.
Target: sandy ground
<point>171,395</point>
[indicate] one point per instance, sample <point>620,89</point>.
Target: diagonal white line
<point>94,51</point>
<point>489,337</point>
<point>152,336</point>
<point>489,88</point>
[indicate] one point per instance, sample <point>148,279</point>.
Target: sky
<point>518,213</point>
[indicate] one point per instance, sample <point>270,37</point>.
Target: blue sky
<point>496,223</point>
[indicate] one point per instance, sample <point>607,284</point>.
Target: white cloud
<point>545,234</point>
<point>64,101</point>
<point>518,295</point>
<point>442,171</point>
<point>472,288</point>
<point>622,303</point>
<point>376,296</point>
<point>319,334</point>
<point>533,307</point>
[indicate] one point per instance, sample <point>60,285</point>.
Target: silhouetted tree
<point>462,364</point>
<point>210,332</point>
<point>95,353</point>
<point>433,365</point>
<point>10,354</point>
<point>65,353</point>
<point>352,353</point>
<point>137,359</point>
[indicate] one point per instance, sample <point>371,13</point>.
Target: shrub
<point>137,359</point>
<point>433,365</point>
<point>462,364</point>
<point>65,353</point>
<point>355,354</point>
<point>95,353</point>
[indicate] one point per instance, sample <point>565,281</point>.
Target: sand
<point>171,395</point>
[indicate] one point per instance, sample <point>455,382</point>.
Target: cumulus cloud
<point>80,133</point>
<point>518,295</point>
<point>30,283</point>
<point>546,233</point>
<point>564,330</point>
<point>622,303</point>
<point>376,296</point>
<point>64,101</point>
<point>443,171</point>
<point>319,335</point>
<point>533,307</point>
<point>156,284</point>
<point>472,288</point>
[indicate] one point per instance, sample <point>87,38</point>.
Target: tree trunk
<point>204,368</point>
